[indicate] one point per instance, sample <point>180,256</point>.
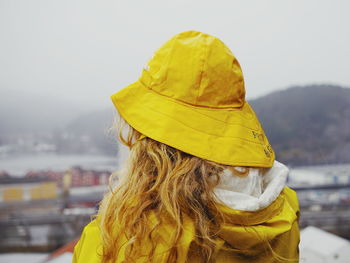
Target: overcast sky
<point>83,51</point>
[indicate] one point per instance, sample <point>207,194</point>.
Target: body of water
<point>20,165</point>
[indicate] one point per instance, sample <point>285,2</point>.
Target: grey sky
<point>83,51</point>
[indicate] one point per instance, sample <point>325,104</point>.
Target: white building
<point>318,246</point>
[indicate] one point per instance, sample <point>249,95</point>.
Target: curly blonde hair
<point>171,184</point>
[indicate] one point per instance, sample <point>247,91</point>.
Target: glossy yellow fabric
<point>191,96</point>
<point>277,223</point>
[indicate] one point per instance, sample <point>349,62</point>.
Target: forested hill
<point>307,125</point>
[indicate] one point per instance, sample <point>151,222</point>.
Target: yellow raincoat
<point>277,223</point>
<point>191,96</point>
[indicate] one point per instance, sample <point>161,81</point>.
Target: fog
<point>77,53</point>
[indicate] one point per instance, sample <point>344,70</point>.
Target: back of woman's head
<point>170,183</point>
<point>187,121</point>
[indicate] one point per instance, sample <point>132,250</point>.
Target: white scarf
<point>254,191</point>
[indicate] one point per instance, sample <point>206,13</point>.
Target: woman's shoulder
<point>291,197</point>
<point>91,231</point>
<point>89,245</point>
<point>91,227</point>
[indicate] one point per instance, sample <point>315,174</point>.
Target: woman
<point>202,183</point>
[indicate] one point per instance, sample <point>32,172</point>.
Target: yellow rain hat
<point>191,96</point>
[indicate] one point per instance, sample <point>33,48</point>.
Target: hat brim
<point>231,136</point>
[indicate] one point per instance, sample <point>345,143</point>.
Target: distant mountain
<point>23,112</point>
<point>307,125</point>
<point>29,120</point>
<point>96,129</point>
